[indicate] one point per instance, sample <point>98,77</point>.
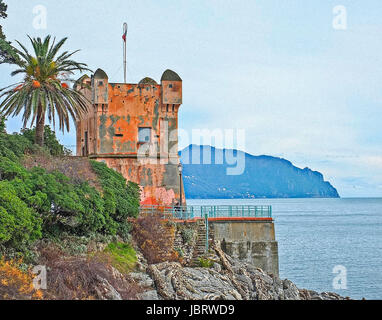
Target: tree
<point>3,15</point>
<point>2,125</point>
<point>44,90</point>
<point>4,57</point>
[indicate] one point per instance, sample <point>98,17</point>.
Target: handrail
<point>212,211</point>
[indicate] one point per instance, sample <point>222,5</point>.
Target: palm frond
<point>12,53</point>
<point>41,91</point>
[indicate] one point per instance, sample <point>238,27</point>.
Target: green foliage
<point>19,224</point>
<point>2,125</point>
<point>3,9</point>
<point>3,15</point>
<point>10,169</point>
<point>58,205</point>
<point>206,263</point>
<point>187,235</point>
<point>13,146</point>
<point>50,141</point>
<point>4,56</point>
<point>76,208</point>
<point>121,199</point>
<point>122,255</point>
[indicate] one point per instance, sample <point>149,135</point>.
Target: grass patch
<point>122,256</point>
<point>206,263</point>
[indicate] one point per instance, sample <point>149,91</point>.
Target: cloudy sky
<point>301,88</point>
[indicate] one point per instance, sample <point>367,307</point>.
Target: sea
<point>326,244</point>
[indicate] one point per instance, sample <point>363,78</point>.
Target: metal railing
<point>223,211</point>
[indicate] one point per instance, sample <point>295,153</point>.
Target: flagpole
<point>124,51</point>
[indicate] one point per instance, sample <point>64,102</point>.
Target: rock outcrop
<point>228,279</point>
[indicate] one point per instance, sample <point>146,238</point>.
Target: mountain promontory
<point>212,173</point>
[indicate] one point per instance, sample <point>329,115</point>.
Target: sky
<point>300,79</point>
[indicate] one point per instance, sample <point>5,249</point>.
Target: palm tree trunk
<point>40,126</point>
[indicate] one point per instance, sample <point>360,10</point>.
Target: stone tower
<point>133,129</point>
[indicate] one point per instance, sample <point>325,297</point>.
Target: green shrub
<point>121,198</point>
<point>10,169</point>
<point>59,205</point>
<point>19,224</point>
<point>187,235</point>
<point>2,124</point>
<point>13,146</point>
<point>51,143</point>
<point>206,263</point>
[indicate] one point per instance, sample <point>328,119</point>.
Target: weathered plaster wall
<point>250,241</point>
<point>159,183</point>
<point>172,92</point>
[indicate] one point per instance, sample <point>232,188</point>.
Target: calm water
<point>314,235</point>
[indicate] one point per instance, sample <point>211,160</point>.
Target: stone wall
<point>249,241</point>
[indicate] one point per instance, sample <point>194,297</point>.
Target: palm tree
<point>44,89</point>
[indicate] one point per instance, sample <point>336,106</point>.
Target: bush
<point>19,224</point>
<point>77,208</point>
<point>206,263</point>
<point>100,203</point>
<point>2,124</point>
<point>50,141</point>
<point>121,199</point>
<point>14,146</point>
<point>187,235</point>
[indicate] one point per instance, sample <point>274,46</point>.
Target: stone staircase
<point>200,245</point>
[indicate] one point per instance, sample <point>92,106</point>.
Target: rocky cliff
<point>227,279</point>
<point>206,176</point>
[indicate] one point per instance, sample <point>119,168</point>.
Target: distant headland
<point>263,177</point>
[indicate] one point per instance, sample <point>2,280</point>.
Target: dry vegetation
<point>155,238</point>
<point>15,283</point>
<point>83,277</point>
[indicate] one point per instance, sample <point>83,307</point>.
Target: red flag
<point>124,32</point>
